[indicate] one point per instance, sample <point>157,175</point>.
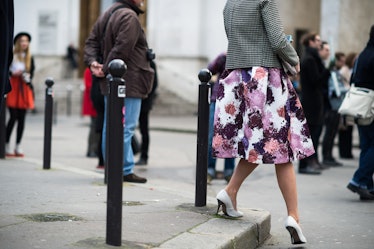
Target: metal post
<point>2,128</point>
<point>55,111</point>
<point>202,139</point>
<point>107,107</point>
<point>48,123</point>
<point>115,126</point>
<point>69,89</point>
<point>82,87</point>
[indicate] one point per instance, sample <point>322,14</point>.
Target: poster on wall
<point>47,35</point>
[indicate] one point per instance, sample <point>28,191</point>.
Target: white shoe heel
<point>225,202</point>
<point>297,236</point>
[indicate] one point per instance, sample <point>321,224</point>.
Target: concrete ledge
<point>248,232</point>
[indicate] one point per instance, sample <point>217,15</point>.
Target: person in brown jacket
<point>117,34</point>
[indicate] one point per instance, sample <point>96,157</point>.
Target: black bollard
<point>2,128</point>
<point>48,123</point>
<point>114,156</point>
<point>202,139</point>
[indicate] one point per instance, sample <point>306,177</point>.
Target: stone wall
<point>185,46</point>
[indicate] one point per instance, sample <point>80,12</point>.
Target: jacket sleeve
<point>275,33</point>
<point>92,48</point>
<point>218,64</point>
<point>32,68</point>
<point>128,29</point>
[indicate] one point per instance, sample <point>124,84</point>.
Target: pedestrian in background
<point>145,109</point>
<point>332,117</point>
<point>88,109</point>
<point>346,129</point>
<point>258,115</point>
<point>362,181</point>
<point>313,79</point>
<point>72,61</point>
<point>21,98</point>
<point>98,102</point>
<point>217,68</point>
<point>123,39</point>
<point>6,46</point>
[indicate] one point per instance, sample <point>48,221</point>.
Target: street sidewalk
<point>158,214</point>
<point>161,213</point>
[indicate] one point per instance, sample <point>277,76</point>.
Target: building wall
<point>300,15</point>
<point>187,34</point>
<point>184,36</point>
<point>199,31</point>
<point>190,29</point>
<point>185,46</point>
<point>346,23</point>
<point>52,24</point>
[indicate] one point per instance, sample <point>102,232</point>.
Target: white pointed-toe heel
<point>297,236</point>
<point>225,202</point>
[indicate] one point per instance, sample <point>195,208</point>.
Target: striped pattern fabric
<point>255,35</point>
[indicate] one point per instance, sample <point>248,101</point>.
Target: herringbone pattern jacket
<point>255,35</point>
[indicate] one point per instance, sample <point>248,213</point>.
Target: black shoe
<point>142,161</point>
<point>91,154</point>
<point>365,198</point>
<point>347,156</point>
<point>310,170</point>
<point>134,178</point>
<point>322,166</point>
<point>363,193</point>
<point>209,179</point>
<point>314,163</point>
<point>331,162</point>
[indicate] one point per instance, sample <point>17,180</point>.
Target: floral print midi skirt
<point>259,118</point>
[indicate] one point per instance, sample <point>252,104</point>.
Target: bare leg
<point>242,170</point>
<point>287,184</point>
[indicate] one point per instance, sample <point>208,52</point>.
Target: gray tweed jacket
<point>255,35</point>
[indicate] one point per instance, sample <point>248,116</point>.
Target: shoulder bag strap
<point>354,70</point>
<point>106,24</point>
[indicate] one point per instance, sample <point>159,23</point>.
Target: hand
<point>17,73</point>
<point>27,78</point>
<point>97,69</point>
<point>297,67</point>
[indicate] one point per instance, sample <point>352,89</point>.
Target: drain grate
<point>50,217</point>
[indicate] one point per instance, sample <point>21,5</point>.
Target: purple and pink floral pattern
<point>259,117</point>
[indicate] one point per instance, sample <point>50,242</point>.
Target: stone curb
<point>248,232</point>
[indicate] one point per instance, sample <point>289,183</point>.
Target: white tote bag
<point>358,103</point>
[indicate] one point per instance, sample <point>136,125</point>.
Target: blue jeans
<point>132,112</point>
<point>363,177</point>
<point>229,162</point>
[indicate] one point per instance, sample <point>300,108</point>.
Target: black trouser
<point>345,141</point>
<point>315,133</point>
<point>331,128</point>
<point>16,115</point>
<point>98,102</point>
<point>144,127</point>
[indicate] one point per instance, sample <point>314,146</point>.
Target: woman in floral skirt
<point>258,116</point>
